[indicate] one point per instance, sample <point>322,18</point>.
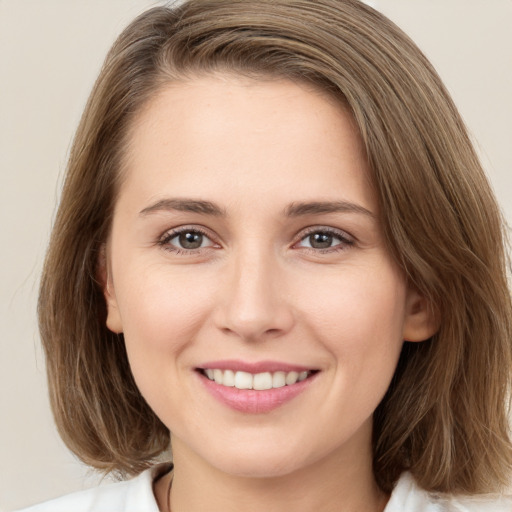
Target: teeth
<point>291,378</point>
<point>279,380</point>
<point>302,376</point>
<point>217,376</point>
<point>228,378</point>
<point>262,381</point>
<point>243,380</point>
<point>259,381</point>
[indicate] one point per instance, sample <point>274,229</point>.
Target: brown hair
<point>444,417</point>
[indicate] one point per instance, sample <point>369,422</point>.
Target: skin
<point>257,290</point>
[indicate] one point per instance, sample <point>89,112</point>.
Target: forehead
<point>221,134</point>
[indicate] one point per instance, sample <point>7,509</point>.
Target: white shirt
<point>136,495</point>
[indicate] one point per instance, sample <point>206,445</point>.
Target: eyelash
<point>165,240</point>
<point>344,240</point>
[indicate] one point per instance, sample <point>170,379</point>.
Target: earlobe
<point>113,320</point>
<point>421,319</point>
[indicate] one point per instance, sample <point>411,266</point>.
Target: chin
<point>258,462</point>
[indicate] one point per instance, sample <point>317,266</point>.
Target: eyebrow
<point>320,207</point>
<point>185,205</point>
<point>296,209</point>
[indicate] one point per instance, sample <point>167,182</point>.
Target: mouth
<point>248,388</point>
<point>258,381</point>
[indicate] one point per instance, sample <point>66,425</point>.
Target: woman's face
<point>246,248</point>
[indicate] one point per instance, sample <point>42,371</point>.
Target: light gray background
<point>50,53</point>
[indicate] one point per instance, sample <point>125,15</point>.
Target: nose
<point>253,303</point>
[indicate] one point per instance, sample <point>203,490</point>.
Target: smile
<point>255,388</point>
<point>259,381</point>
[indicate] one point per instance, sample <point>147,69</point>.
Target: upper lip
<point>254,367</point>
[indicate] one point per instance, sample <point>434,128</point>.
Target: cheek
<point>161,310</point>
<point>369,311</point>
<point>162,314</point>
<point>362,301</point>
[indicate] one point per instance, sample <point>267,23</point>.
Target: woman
<point>276,243</point>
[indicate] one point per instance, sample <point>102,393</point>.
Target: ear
<point>421,318</point>
<point>104,275</point>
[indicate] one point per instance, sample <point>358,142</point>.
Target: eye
<point>325,239</point>
<point>189,240</point>
<point>186,239</point>
<point>319,240</point>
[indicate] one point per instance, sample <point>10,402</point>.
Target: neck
<point>337,482</point>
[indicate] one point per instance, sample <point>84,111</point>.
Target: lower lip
<point>254,401</point>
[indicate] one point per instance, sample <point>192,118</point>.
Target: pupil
<point>320,240</point>
<point>191,240</point>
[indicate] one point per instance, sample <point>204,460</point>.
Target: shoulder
<point>409,497</point>
<point>135,495</point>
